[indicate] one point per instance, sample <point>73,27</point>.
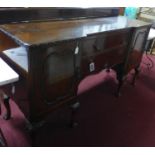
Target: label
<point>91,66</point>
<point>76,50</point>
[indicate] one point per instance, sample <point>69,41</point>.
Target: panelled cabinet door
<point>59,71</point>
<point>138,47</point>
<point>115,47</point>
<point>91,47</point>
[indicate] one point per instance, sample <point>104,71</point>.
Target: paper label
<point>91,66</point>
<point>77,50</point>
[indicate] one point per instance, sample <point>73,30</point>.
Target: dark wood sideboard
<point>52,57</point>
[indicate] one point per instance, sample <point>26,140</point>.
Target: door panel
<point>59,71</point>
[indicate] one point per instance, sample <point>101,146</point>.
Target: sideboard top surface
<point>33,33</point>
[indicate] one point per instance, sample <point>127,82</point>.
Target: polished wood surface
<point>17,14</point>
<point>61,53</point>
<point>34,33</point>
<point>6,42</point>
<point>19,56</point>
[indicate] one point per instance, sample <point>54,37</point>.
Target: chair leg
<point>119,74</point>
<point>74,109</point>
<point>119,87</point>
<point>7,116</point>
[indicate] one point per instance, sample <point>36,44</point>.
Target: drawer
<point>114,39</point>
<point>99,43</point>
<point>115,56</point>
<point>104,59</point>
<point>93,45</point>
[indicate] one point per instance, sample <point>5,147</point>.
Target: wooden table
<point>7,76</point>
<point>59,54</point>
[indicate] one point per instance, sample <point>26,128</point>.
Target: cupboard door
<point>59,71</point>
<point>137,47</point>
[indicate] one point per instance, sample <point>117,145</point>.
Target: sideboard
<point>52,57</point>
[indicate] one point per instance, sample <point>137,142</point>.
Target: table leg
<point>6,100</point>
<point>137,70</point>
<point>74,108</point>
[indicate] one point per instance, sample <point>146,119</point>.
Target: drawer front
<point>98,43</point>
<point>104,59</point>
<point>91,46</point>
<point>115,39</point>
<point>104,50</point>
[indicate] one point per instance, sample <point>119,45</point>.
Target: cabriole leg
<point>119,73</point>
<point>74,109</point>
<point>137,70</point>
<point>120,83</point>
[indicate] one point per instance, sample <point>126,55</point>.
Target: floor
<point>104,120</point>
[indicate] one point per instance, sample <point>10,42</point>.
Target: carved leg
<point>32,133</point>
<point>137,70</point>
<point>32,130</point>
<point>107,69</point>
<point>33,136</point>
<point>74,108</point>
<point>120,80</point>
<point>119,73</point>
<point>7,116</point>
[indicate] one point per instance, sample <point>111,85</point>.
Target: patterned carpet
<point>104,120</point>
<point>2,139</point>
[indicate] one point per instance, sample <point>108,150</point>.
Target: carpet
<point>2,139</point>
<point>104,120</point>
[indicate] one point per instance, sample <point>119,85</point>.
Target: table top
<point>34,33</point>
<point>151,34</point>
<point>18,56</point>
<point>7,74</point>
